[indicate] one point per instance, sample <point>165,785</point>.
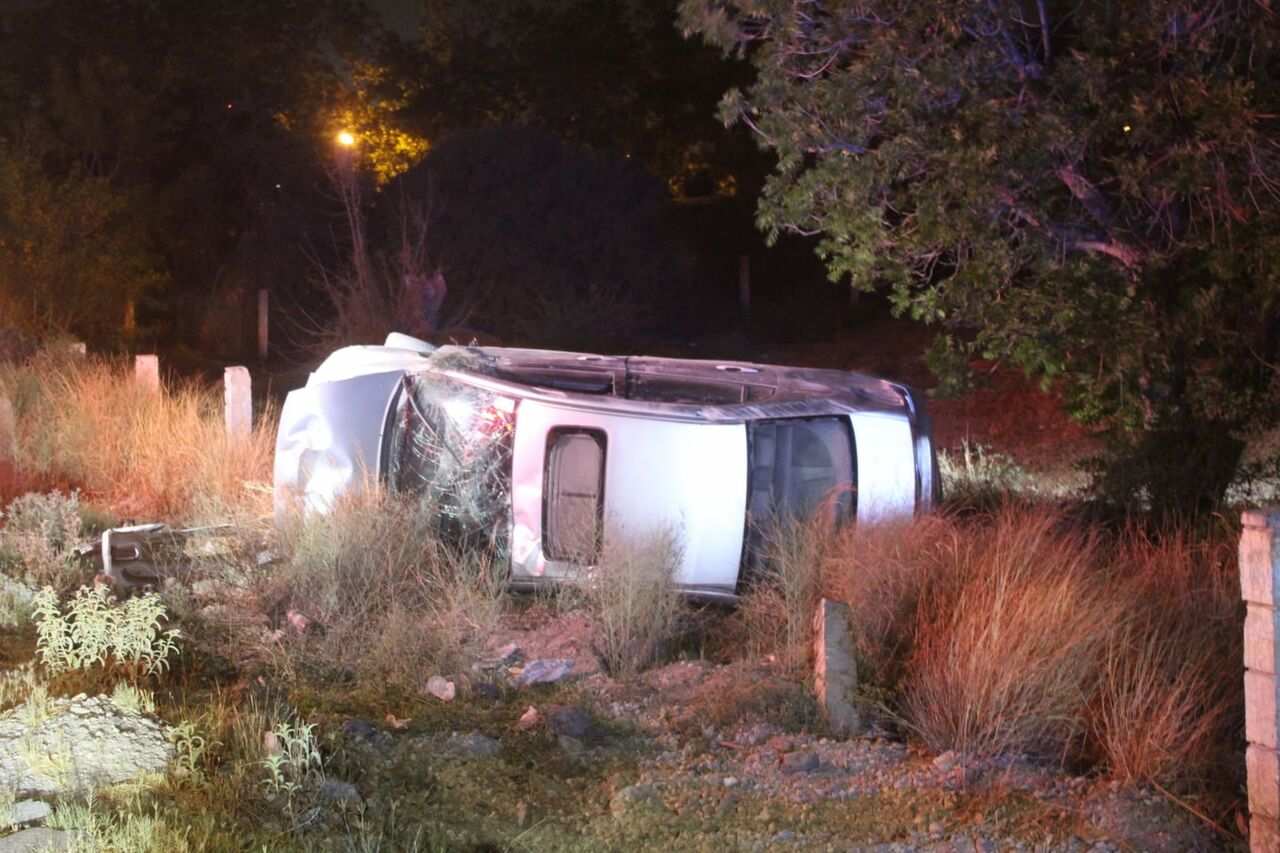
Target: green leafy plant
<point>95,630</point>
<point>133,700</point>
<point>190,747</point>
<point>293,758</point>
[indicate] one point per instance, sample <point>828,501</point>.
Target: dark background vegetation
<point>1086,191</point>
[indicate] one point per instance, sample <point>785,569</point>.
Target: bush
<point>97,630</point>
<point>38,539</point>
<point>148,455</point>
<point>632,599</point>
<point>1020,631</point>
<point>392,602</point>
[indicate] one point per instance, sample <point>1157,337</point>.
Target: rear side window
<point>800,468</point>
<point>574,495</point>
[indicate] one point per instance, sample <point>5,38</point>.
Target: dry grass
<point>1023,631</point>
<point>388,602</point>
<point>632,599</point>
<point>150,456</point>
<point>776,613</point>
<point>1169,708</point>
<point>1007,641</point>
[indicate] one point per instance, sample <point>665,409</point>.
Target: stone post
<point>1260,586</point>
<point>146,372</point>
<point>835,669</point>
<point>238,390</point>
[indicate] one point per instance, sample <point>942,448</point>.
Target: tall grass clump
<point>633,602</point>
<point>145,454</point>
<point>776,613</point>
<point>1024,631</point>
<point>386,599</point>
<point>1169,706</point>
<point>1008,640</point>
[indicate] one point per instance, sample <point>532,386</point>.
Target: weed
<point>632,599</point>
<point>38,539</point>
<point>36,707</point>
<point>391,600</point>
<point>8,797</point>
<point>293,758</point>
<point>133,700</point>
<point>95,629</point>
<point>190,747</point>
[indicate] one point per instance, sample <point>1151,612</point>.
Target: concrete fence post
<point>238,389</point>
<point>146,372</point>
<point>1260,587</point>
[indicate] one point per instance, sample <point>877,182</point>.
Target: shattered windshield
<point>451,446</point>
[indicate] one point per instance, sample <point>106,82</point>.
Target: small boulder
<point>41,838</point>
<point>483,691</point>
<point>635,797</point>
<point>339,793</point>
<point>364,731</point>
<point>472,745</point>
<point>799,762</point>
<point>29,813</point>
<point>529,719</point>
<point>572,747</point>
<point>568,720</point>
<point>442,688</point>
<point>544,671</point>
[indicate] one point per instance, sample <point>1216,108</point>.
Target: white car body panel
<point>886,466</point>
<point>689,478</point>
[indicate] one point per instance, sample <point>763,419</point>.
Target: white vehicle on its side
<point>558,454</point>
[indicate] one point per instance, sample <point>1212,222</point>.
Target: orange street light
<point>345,138</point>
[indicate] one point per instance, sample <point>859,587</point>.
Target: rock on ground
<point>29,813</point>
<point>76,744</point>
<point>41,838</point>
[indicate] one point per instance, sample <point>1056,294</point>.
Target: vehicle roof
<point>671,388</point>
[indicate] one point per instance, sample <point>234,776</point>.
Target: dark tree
<point>1086,189</point>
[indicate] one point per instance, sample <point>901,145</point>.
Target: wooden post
<point>744,284</point>
<point>146,372</point>
<point>1260,587</point>
<point>238,392</point>
<point>264,302</point>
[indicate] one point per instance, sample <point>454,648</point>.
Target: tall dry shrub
<point>1008,640</point>
<point>1169,703</point>
<point>148,455</point>
<point>1021,631</point>
<point>776,614</point>
<point>388,601</point>
<point>632,600</point>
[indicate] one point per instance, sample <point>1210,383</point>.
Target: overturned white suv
<point>556,455</point>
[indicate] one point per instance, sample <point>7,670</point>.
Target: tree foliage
<point>207,125</point>
<point>542,242</point>
<point>1086,189</point>
<point>613,76</point>
<point>73,257</point>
